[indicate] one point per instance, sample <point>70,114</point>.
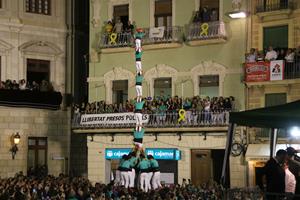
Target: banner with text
<point>111,118</point>
<point>257,72</point>
<point>157,32</point>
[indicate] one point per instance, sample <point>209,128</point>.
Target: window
<point>209,85</point>
<point>163,13</point>
<point>120,91</point>
<point>163,87</point>
<point>38,70</point>
<point>37,152</point>
<point>275,99</point>
<point>121,12</point>
<point>272,34</point>
<point>208,10</point>
<point>38,6</point>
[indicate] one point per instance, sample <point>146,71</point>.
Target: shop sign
<point>159,154</point>
<point>164,154</point>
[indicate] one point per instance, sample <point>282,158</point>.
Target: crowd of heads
<point>44,86</point>
<point>63,187</point>
<point>206,14</point>
<point>160,105</point>
<point>289,55</point>
<point>117,26</point>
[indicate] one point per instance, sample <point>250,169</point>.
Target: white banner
<point>276,70</point>
<point>157,32</point>
<point>111,118</point>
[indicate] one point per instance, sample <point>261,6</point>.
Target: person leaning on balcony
<point>290,56</point>
<point>281,54</point>
<point>118,28</point>
<point>252,56</point>
<point>108,27</point>
<point>271,54</point>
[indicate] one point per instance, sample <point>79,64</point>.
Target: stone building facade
<point>34,32</point>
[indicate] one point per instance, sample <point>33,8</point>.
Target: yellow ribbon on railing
<point>181,113</point>
<point>113,38</point>
<point>204,29</point>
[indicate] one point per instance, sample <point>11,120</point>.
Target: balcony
<point>116,43</point>
<point>171,37</point>
<point>30,99</point>
<point>262,73</point>
<point>168,121</point>
<point>274,9</point>
<point>206,33</point>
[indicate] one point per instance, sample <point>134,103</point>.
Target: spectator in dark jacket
<point>275,174</point>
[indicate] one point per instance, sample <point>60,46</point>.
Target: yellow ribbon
<point>204,29</point>
<point>113,38</point>
<point>181,113</point>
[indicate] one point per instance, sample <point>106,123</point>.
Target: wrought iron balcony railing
<point>172,34</point>
<point>206,31</point>
<point>161,120</point>
<point>273,5</point>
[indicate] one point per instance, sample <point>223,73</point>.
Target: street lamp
<point>16,141</point>
<point>295,132</point>
<point>237,14</point>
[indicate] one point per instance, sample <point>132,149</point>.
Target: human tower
<point>136,162</point>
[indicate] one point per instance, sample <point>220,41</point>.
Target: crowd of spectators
<point>289,55</point>
<point>123,31</point>
<point>206,14</point>
<point>44,86</point>
<point>164,111</point>
<point>23,187</point>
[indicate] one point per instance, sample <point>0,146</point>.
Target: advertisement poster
<point>276,70</point>
<point>257,72</point>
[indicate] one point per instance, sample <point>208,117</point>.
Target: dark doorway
<point>217,156</point>
<point>120,91</point>
<point>122,12</point>
<point>38,70</point>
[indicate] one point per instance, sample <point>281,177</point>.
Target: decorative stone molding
<point>160,71</point>
<point>208,68</point>
<point>5,47</point>
<point>40,48</point>
<point>44,50</point>
<point>5,53</point>
<point>95,13</point>
<point>118,73</point>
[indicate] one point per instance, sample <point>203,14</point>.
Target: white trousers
<point>150,175</point>
<point>125,179</point>
<point>144,182</point>
<point>139,90</point>
<point>131,178</point>
<point>138,45</point>
<point>156,180</point>
<point>138,118</point>
<point>138,66</point>
<point>118,178</point>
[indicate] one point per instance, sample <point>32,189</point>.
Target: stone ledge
<point>281,82</point>
<point>207,41</point>
<point>115,50</point>
<point>151,130</point>
<point>274,15</point>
